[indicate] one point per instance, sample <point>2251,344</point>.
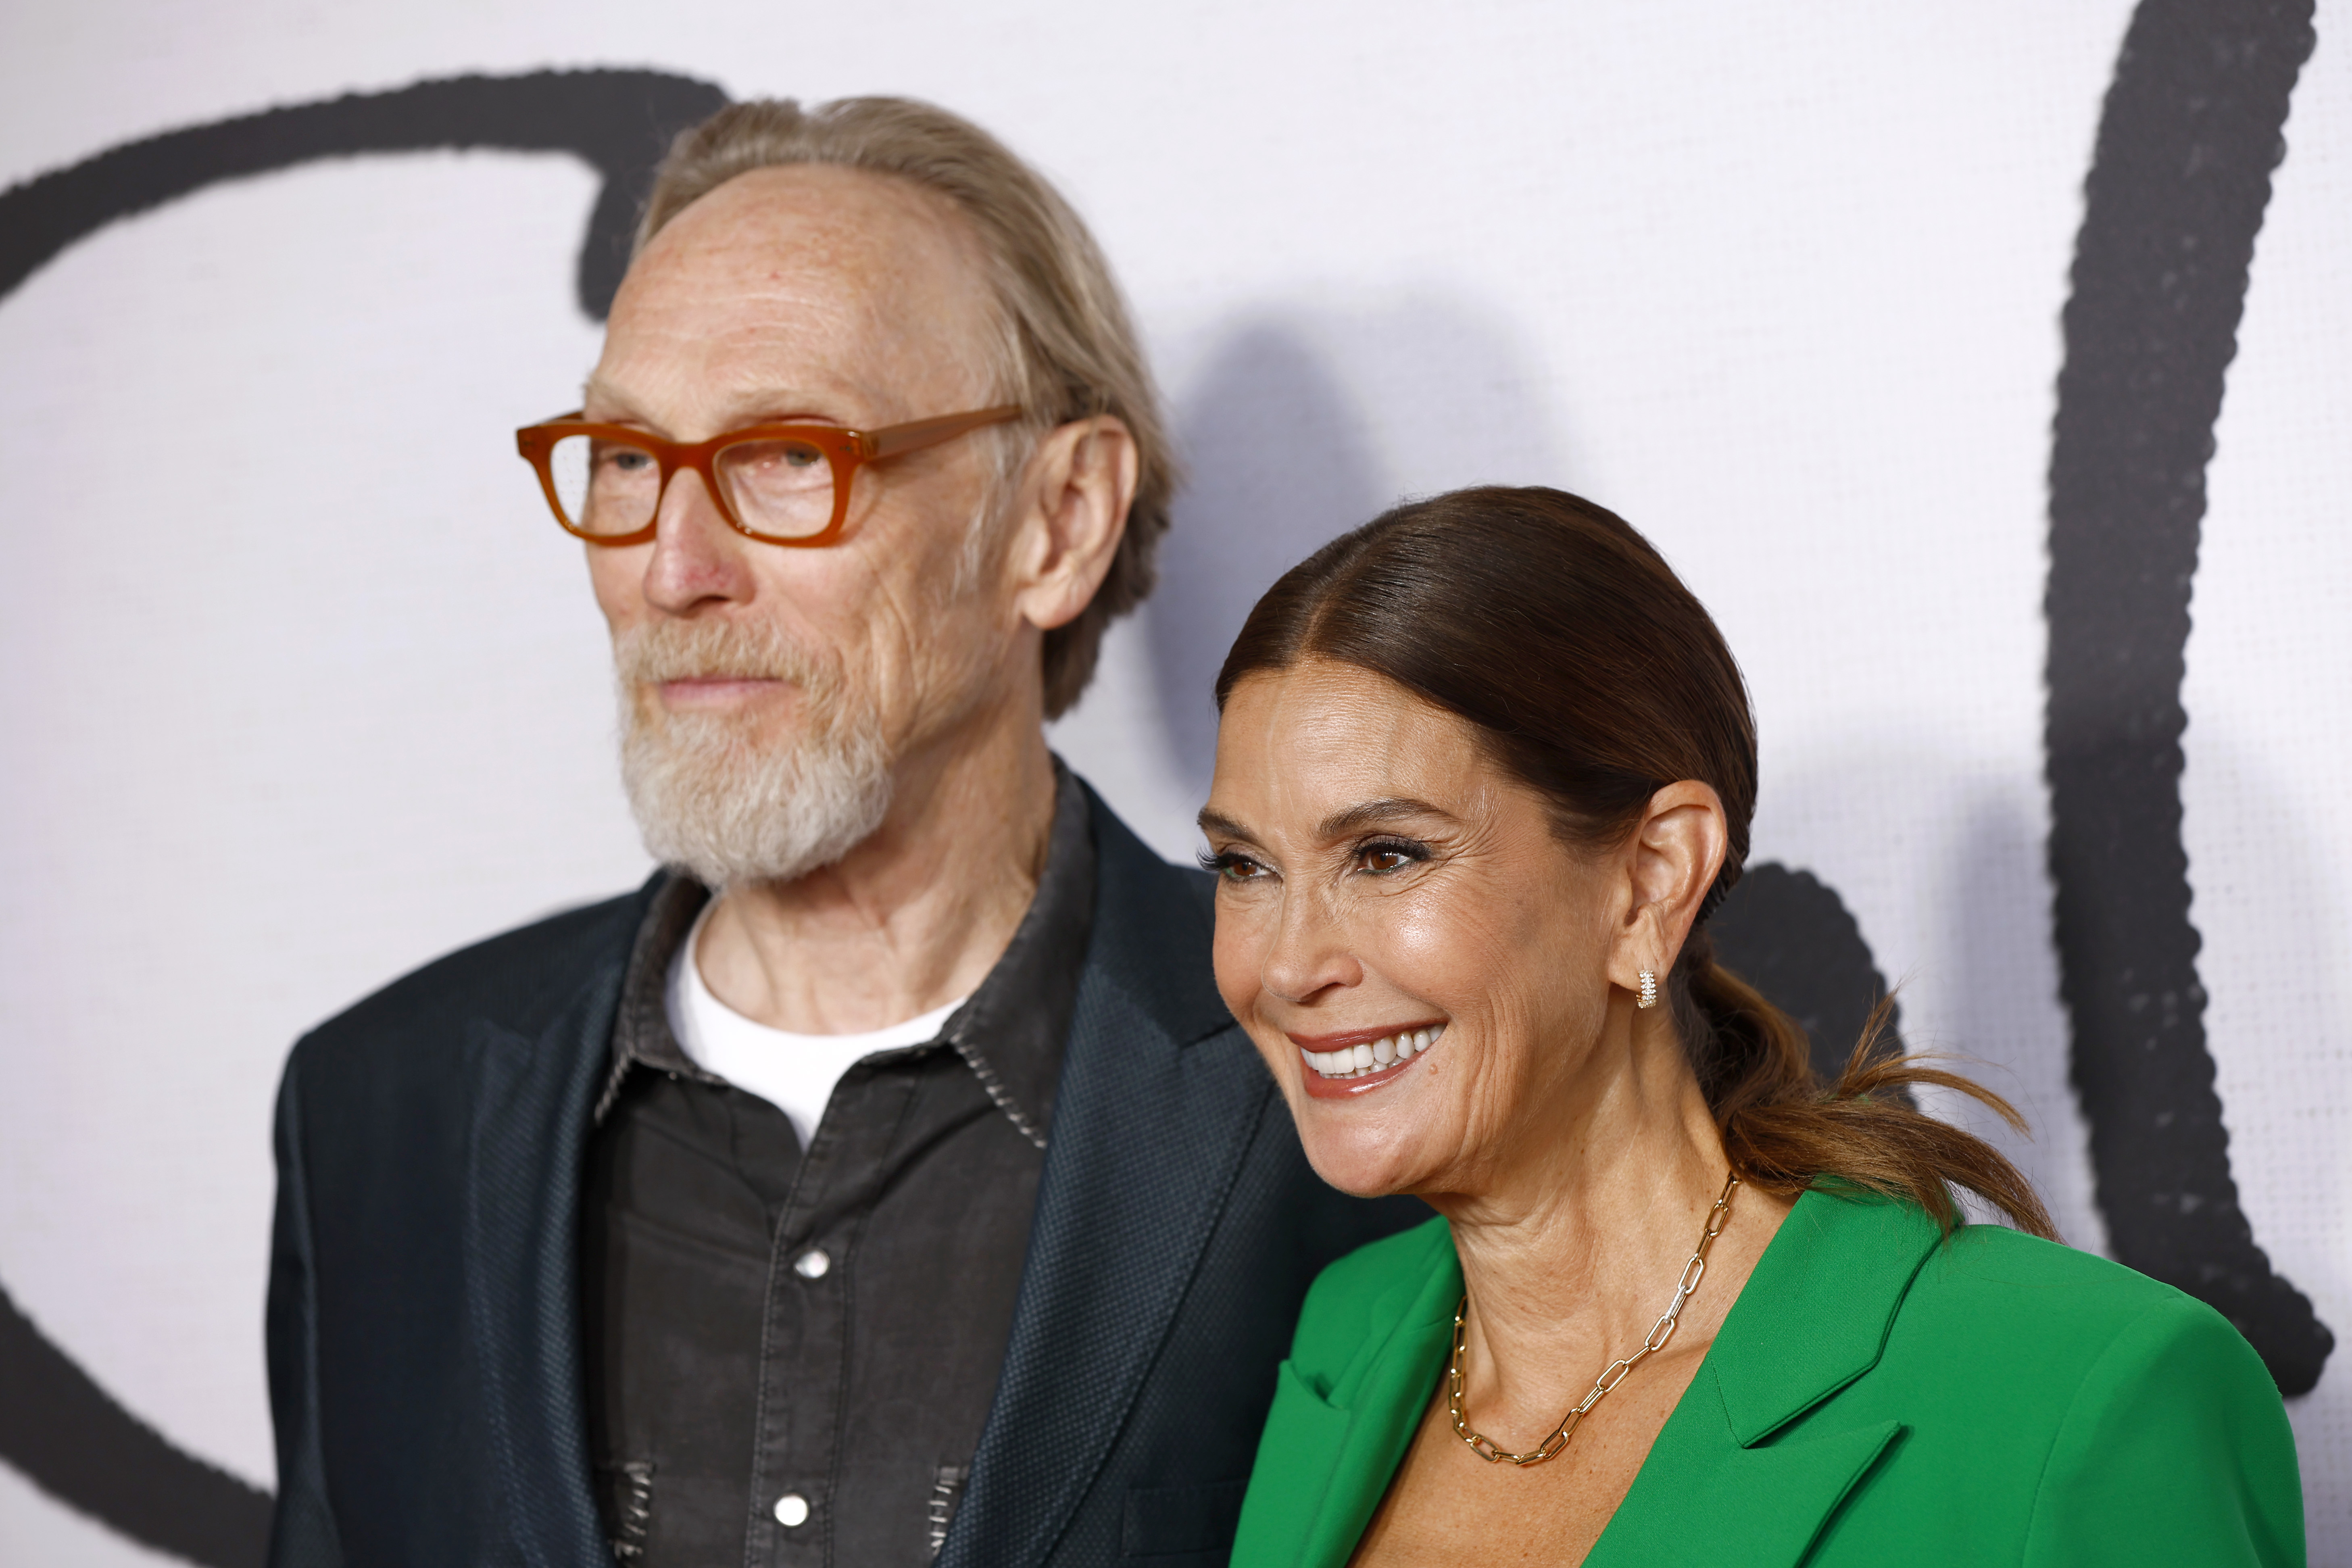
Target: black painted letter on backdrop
<point>57,1426</point>
<point>2182,172</point>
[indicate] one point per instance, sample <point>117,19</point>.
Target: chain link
<point>1652,1343</point>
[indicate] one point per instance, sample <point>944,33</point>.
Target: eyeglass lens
<point>781,487</point>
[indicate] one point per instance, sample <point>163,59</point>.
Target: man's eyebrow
<point>763,405</point>
<point>1372,813</point>
<point>595,389</point>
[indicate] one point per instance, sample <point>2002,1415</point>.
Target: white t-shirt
<point>795,1073</point>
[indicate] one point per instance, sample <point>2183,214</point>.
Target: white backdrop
<point>302,687</point>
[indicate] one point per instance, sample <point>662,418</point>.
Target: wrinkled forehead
<point>862,294</point>
<point>1318,736</point>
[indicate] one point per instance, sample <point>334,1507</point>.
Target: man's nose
<point>1310,952</point>
<point>697,556</point>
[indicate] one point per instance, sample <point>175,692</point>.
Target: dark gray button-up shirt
<point>790,1354</point>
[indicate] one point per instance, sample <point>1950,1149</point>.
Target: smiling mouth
<point>1365,1058</point>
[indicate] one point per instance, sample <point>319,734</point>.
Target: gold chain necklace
<point>1660,1332</point>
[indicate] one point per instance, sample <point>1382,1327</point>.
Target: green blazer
<point>1876,1396</point>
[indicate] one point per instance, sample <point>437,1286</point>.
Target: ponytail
<point>1784,1128</point>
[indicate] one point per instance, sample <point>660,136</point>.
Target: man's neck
<point>911,920</point>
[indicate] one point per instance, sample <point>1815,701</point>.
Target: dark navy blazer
<point>424,1342</point>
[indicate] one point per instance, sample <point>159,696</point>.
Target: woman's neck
<point>1572,1245</point>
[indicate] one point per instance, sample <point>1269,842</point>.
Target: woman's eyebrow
<point>1372,813</point>
<point>1217,821</point>
<point>1339,825</point>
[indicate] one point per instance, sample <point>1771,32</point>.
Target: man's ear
<point>1071,514</point>
<point>1669,863</point>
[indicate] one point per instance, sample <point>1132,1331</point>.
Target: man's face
<point>754,671</point>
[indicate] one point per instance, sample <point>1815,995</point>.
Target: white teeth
<point>1354,1061</point>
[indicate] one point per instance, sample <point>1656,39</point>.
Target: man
<point>884,1181</point>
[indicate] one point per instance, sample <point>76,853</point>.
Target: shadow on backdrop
<point>1278,459</point>
<point>1281,458</point>
<point>1788,934</point>
<point>1305,420</point>
<point>2006,1012</point>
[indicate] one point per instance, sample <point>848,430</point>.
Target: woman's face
<point>1382,880</point>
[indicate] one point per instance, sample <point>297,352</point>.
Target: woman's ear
<point>1670,863</point>
<point>1075,491</point>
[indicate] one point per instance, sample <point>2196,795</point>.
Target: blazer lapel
<point>1703,1498</point>
<point>1339,1448</point>
<point>1718,1486</point>
<point>531,1110</point>
<point>1160,1098</point>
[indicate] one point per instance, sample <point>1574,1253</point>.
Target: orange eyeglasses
<point>779,484</point>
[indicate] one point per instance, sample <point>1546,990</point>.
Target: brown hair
<point>1068,349</point>
<point>1595,678</point>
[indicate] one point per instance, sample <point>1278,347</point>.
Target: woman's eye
<point>1233,867</point>
<point>1381,859</point>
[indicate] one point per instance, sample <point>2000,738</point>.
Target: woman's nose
<point>1308,954</point>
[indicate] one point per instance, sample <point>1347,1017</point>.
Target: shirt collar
<point>1010,1033</point>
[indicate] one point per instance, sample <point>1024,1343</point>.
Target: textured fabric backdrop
<point>302,687</point>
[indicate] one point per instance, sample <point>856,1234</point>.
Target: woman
<point>1484,768</point>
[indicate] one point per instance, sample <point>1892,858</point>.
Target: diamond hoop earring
<point>1649,997</point>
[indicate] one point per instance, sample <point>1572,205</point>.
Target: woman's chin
<point>1371,1134</point>
<point>1363,1168</point>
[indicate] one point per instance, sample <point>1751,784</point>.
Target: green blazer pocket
<point>1168,1523</point>
<point>1305,1440</point>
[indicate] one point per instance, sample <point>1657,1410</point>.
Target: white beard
<point>713,802</point>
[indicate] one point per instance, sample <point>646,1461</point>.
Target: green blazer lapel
<point>1717,1485</point>
<point>1703,1498</point>
<point>1329,1453</point>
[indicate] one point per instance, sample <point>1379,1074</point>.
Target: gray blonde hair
<point>1069,349</point>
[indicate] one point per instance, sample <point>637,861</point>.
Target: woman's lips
<point>1342,1065</point>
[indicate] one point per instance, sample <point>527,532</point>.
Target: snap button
<point>791,1510</point>
<point>811,1265</point>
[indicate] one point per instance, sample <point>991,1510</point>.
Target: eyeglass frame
<point>847,450</point>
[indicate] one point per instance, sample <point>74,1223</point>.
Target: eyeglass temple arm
<point>931,431</point>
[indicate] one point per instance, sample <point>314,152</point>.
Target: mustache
<point>657,651</point>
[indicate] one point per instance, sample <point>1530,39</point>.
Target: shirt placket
<point>805,1341</point>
